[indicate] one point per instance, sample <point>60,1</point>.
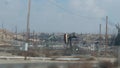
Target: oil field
<point>73,49</point>
<point>59,34</point>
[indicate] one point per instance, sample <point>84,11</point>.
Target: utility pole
<point>28,20</point>
<point>16,35</point>
<point>33,37</point>
<point>16,32</point>
<point>100,39</point>
<point>28,29</point>
<point>100,35</point>
<point>2,31</point>
<point>106,36</point>
<point>36,41</point>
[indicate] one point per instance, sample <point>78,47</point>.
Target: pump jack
<point>68,40</point>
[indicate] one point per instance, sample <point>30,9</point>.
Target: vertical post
<point>16,32</point>
<point>100,39</point>
<point>33,37</point>
<point>15,38</point>
<point>2,31</point>
<point>36,41</point>
<point>28,20</point>
<point>28,27</point>
<point>106,36</point>
<point>5,33</point>
<point>100,35</point>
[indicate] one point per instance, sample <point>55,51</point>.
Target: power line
<point>109,22</point>
<point>70,12</point>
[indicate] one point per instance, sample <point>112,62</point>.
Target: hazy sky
<point>60,15</point>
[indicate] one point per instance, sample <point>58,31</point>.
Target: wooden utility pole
<point>100,35</point>
<point>2,32</point>
<point>100,40</point>
<point>33,37</point>
<point>16,32</point>
<point>28,28</point>
<point>28,20</point>
<point>106,36</point>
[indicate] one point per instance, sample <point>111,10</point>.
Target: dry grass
<point>91,59</point>
<point>106,64</point>
<point>84,65</point>
<point>87,65</point>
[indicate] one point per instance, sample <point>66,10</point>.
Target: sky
<point>80,16</point>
